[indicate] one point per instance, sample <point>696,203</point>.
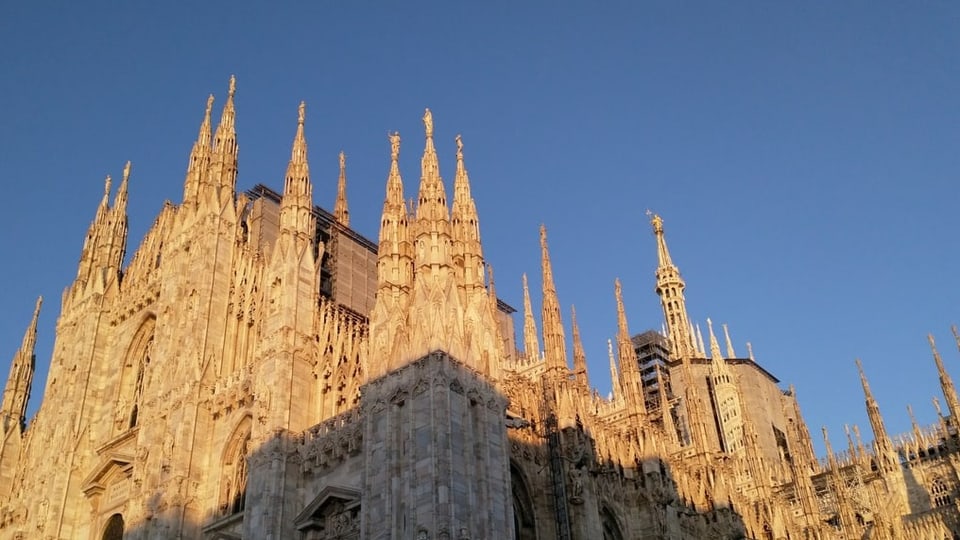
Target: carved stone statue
<point>428,122</point>
<point>394,145</point>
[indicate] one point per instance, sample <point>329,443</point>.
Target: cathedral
<point>260,370</point>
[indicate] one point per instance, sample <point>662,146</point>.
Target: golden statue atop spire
<point>302,113</point>
<point>657,223</point>
<point>428,123</point>
<point>233,86</point>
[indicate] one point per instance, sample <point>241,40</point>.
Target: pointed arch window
<point>134,376</point>
<point>233,479</point>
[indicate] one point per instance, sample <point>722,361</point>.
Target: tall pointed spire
<point>946,383</point>
<point>395,252</point>
<point>727,398</point>
<point>615,387</point>
<point>433,240</point>
<point>554,340</point>
<point>466,227</point>
<point>199,162</point>
<point>730,352</point>
<point>223,161</point>
<point>120,200</point>
<point>579,356</point>
<point>702,349</point>
<point>670,288</point>
<point>719,365</point>
<point>885,450</point>
<point>666,414</point>
<point>16,394</point>
<point>531,343</point>
<point>432,200</point>
<point>340,211</point>
<point>629,366</point>
<point>296,206</point>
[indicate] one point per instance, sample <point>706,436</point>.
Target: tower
<point>670,288</point>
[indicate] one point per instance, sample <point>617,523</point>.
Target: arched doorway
<point>611,529</point>
<point>114,528</point>
<point>524,522</point>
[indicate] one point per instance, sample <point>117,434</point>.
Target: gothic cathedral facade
<point>259,370</point>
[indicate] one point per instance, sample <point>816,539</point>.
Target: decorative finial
<point>106,186</point>
<point>394,145</point>
<point>459,147</point>
<point>428,123</point>
<point>233,86</point>
<point>302,113</point>
<point>126,172</point>
<point>343,160</point>
<point>36,310</point>
<point>209,105</point>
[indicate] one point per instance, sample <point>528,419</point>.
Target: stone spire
<point>917,433</point>
<point>847,519</point>
<point>629,366</point>
<point>801,443</point>
<point>118,216</point>
<point>579,356</point>
<point>340,212</point>
<point>223,161</point>
<point>466,227</point>
<point>17,392</point>
<point>433,223</point>
<point>666,415</point>
<point>717,362</point>
<point>730,352</point>
<point>726,396</point>
<point>670,288</point>
<point>946,383</point>
<point>531,343</point>
<point>884,448</point>
<point>296,206</point>
<point>388,320</point>
<point>105,243</point>
<point>554,340</point>
<point>615,387</point>
<point>395,252</point>
<point>199,159</point>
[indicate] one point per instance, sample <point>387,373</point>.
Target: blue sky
<point>804,156</point>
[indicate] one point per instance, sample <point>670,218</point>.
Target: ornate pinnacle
<point>233,86</point>
<point>302,113</point>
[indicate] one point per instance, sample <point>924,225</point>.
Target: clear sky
<point>804,156</point>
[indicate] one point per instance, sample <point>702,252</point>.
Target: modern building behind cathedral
<point>259,370</point>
